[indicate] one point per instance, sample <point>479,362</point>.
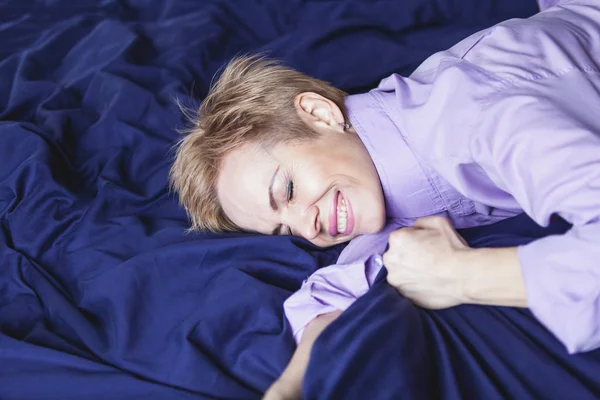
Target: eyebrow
<point>277,230</point>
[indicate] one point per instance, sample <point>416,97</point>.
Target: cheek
<point>310,180</point>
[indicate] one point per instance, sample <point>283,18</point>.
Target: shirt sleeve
<point>329,289</point>
<point>545,4</point>
<point>544,149</point>
<point>336,287</point>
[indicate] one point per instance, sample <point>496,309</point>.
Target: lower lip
<point>349,216</point>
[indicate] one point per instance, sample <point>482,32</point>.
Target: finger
<point>400,235</point>
<point>396,280</point>
<point>441,224</point>
<point>386,259</point>
<point>389,259</point>
<point>453,234</point>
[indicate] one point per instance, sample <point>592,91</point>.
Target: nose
<point>304,222</point>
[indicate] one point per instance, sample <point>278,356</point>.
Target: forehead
<point>243,185</point>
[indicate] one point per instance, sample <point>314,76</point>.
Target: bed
<point>103,294</point>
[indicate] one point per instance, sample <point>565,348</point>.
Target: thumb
<point>440,224</point>
<point>437,223</point>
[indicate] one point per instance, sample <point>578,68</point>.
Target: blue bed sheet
<point>384,347</point>
<point>103,294</point>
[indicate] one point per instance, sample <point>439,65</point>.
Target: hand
<point>423,263</point>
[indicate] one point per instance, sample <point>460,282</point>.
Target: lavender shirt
<point>506,121</point>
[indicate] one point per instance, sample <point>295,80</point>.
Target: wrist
<point>467,286</point>
<point>492,276</point>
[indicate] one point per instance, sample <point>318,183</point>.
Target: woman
<point>506,121</point>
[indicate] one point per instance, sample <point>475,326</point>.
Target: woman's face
<point>326,190</point>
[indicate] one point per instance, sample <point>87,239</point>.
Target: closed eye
<point>289,195</point>
<point>290,191</point>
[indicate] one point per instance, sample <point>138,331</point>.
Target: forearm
<point>493,277</point>
<point>289,384</point>
<point>294,373</point>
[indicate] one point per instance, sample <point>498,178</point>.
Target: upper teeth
<point>341,216</point>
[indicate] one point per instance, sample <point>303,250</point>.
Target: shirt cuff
<point>563,289</point>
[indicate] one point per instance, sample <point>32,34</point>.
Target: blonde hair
<point>251,102</point>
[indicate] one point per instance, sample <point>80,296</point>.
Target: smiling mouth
<point>341,219</point>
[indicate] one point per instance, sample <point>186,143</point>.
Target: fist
<point>423,264</point>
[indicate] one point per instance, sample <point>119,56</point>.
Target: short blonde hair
<point>251,102</point>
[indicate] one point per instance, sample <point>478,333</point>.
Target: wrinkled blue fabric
<point>384,347</point>
<point>102,293</point>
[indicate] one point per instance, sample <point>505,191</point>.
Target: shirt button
<point>379,261</point>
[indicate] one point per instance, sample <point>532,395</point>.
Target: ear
<point>319,111</point>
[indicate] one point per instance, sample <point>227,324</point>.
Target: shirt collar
<point>407,188</point>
